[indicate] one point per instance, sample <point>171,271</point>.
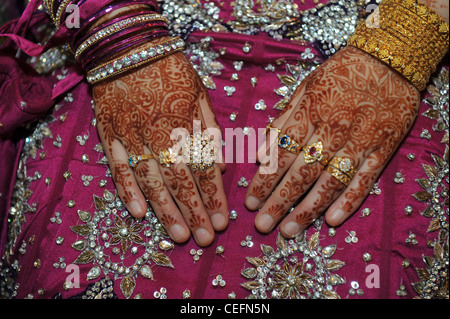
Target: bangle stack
<point>110,48</point>
<point>133,60</point>
<point>410,37</point>
<point>117,28</point>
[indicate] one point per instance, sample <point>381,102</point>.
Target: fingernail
<point>292,229</point>
<point>265,223</point>
<point>203,236</point>
<point>337,217</point>
<point>252,202</point>
<point>178,232</point>
<point>136,208</point>
<point>218,221</point>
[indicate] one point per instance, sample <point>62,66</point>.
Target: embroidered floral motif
<point>296,269</point>
<point>434,276</point>
<point>102,289</point>
<point>292,80</point>
<point>116,243</point>
<point>125,233</point>
<point>272,17</point>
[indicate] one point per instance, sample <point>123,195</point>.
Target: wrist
<point>117,37</point>
<point>409,37</point>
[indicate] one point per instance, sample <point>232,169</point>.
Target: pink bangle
<point>77,43</point>
<point>121,29</point>
<point>106,52</point>
<point>151,3</point>
<point>87,22</point>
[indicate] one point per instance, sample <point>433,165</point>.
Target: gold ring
<point>133,160</point>
<point>167,157</point>
<point>285,141</point>
<point>336,173</point>
<point>314,153</point>
<point>343,164</point>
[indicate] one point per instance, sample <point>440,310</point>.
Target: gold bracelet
<point>134,60</point>
<point>49,5</point>
<point>410,37</point>
<point>407,31</point>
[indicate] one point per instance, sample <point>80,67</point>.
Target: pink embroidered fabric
<point>60,200</point>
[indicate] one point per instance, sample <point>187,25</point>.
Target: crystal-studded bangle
<point>115,28</point>
<point>106,52</point>
<point>133,60</point>
<point>410,37</point>
<point>77,43</point>
<point>59,12</point>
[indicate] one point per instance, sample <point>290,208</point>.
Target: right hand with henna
<point>136,114</point>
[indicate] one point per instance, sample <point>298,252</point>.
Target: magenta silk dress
<point>58,206</point>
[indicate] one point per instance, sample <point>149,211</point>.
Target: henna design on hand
<point>359,108</point>
<point>140,110</point>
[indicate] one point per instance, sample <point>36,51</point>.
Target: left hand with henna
<point>360,110</point>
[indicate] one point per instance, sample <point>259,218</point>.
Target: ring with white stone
<point>133,160</point>
<point>167,157</point>
<point>199,152</point>
<point>342,169</point>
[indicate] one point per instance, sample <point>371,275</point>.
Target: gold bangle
<point>410,37</point>
<point>49,5</point>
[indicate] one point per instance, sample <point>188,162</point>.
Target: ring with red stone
<point>314,153</point>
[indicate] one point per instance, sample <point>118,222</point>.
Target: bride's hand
<point>136,114</point>
<point>360,109</point>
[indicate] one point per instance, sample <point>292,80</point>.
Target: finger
<point>324,192</point>
<point>124,179</point>
<point>294,184</point>
<point>300,177</point>
<point>282,118</point>
<point>211,189</point>
<point>152,185</point>
<point>210,120</point>
<point>209,181</point>
<point>182,186</point>
<point>380,147</point>
<point>354,195</point>
<point>263,184</point>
